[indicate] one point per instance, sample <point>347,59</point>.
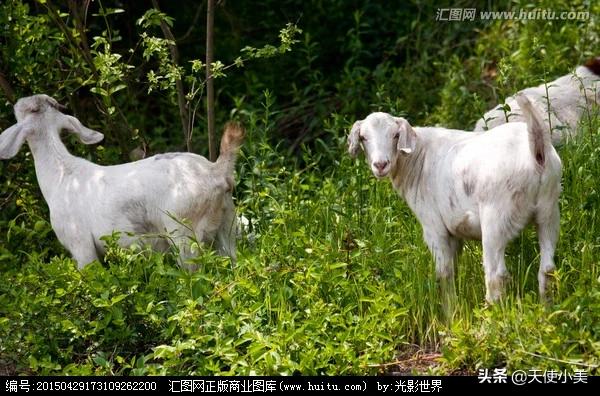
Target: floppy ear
<point>52,102</point>
<point>353,139</point>
<point>407,139</point>
<point>86,135</point>
<point>11,141</point>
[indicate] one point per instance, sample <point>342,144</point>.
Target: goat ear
<point>353,139</point>
<point>11,141</point>
<point>85,135</point>
<point>407,139</point>
<point>53,103</point>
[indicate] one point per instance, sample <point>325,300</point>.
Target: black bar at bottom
<point>380,385</point>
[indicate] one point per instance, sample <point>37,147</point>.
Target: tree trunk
<point>210,87</point>
<point>7,88</point>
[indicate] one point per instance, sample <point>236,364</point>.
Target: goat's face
<point>37,115</point>
<point>382,137</point>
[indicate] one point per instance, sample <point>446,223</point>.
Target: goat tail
<point>539,137</point>
<point>233,137</point>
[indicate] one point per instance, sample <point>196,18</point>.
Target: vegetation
<point>333,276</point>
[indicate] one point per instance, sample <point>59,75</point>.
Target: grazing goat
<point>180,195</point>
<point>569,97</point>
<point>470,185</point>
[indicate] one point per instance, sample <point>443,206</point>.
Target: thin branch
<point>181,102</point>
<point>572,362</point>
<point>210,87</point>
<point>187,34</point>
<point>419,359</point>
<point>67,32</point>
<point>7,199</point>
<point>80,25</point>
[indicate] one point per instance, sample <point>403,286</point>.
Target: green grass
<point>334,277</point>
<point>335,280</point>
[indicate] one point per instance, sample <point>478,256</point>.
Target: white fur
<point>571,96</point>
<point>468,185</point>
<point>178,194</point>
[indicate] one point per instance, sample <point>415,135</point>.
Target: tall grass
<point>333,277</point>
<point>520,332</point>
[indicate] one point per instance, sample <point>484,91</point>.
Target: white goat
<point>470,185</point>
<point>147,197</point>
<point>569,96</point>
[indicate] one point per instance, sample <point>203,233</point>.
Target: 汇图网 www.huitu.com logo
<point>471,14</point>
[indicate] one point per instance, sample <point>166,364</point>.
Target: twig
<point>210,87</point>
<point>594,366</point>
<point>193,24</point>
<point>183,110</point>
<point>80,26</point>
<point>426,357</point>
<point>7,199</point>
<point>67,32</point>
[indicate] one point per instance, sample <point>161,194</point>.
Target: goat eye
<point>362,138</point>
<point>397,136</point>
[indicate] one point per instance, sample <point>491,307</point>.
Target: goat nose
<point>381,164</point>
